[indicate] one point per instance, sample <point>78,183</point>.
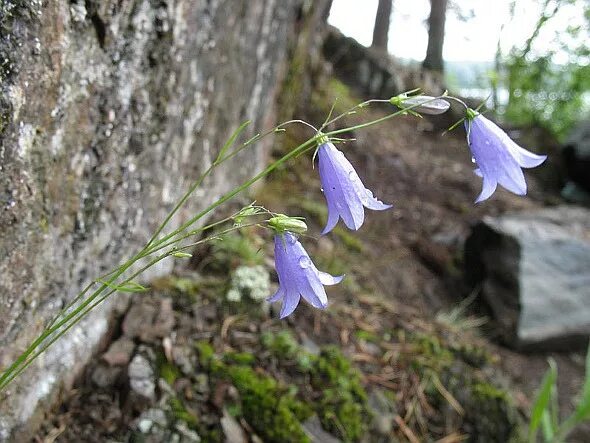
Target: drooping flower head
<point>344,191</point>
<point>298,276</point>
<point>499,159</point>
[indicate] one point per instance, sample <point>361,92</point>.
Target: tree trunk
<point>382,20</point>
<point>436,36</point>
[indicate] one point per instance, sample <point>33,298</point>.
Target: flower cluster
<point>499,161</point>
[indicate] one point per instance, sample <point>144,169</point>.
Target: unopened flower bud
<point>283,223</point>
<point>422,104</point>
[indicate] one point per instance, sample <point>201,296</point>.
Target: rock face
<point>108,110</point>
<point>373,73</point>
<point>576,157</point>
<point>534,272</point>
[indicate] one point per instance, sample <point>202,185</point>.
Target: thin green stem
<point>59,326</point>
<point>75,316</point>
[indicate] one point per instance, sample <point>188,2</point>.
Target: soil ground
<point>391,318</point>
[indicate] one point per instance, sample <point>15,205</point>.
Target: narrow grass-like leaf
<point>125,287</point>
<point>542,400</point>
<point>583,409</point>
<point>547,426</point>
<point>230,141</point>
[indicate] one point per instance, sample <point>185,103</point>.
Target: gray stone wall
<point>108,110</point>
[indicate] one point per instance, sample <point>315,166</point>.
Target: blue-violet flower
<point>345,193</point>
<point>499,159</point>
<point>298,276</point>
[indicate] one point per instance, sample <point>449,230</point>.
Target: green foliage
<point>342,404</point>
<point>547,91</point>
<point>239,358</point>
<point>282,344</point>
<point>583,409</point>
<point>342,407</point>
<point>166,370</point>
<point>430,353</point>
<point>446,366</point>
<point>545,412</point>
<point>269,408</point>
<point>180,412</point>
<point>206,353</point>
<point>543,399</point>
<point>184,285</point>
<point>367,336</point>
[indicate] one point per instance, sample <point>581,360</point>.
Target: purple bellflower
<point>344,191</point>
<point>298,276</point>
<point>499,160</point>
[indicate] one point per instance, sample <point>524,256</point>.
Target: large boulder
<point>108,110</point>
<point>534,273</point>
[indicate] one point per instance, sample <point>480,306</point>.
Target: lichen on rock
<point>251,282</point>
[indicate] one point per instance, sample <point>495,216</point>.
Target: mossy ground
<point>379,334</point>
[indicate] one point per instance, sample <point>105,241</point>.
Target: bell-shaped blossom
<point>499,160</point>
<point>344,191</point>
<point>298,276</point>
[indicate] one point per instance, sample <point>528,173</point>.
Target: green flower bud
<point>182,255</point>
<point>283,223</point>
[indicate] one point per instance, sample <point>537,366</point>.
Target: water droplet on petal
<point>472,159</point>
<point>304,262</point>
<point>352,175</point>
<point>291,239</point>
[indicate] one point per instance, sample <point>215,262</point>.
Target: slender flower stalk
<point>176,242</point>
<point>499,159</point>
<point>298,276</point>
<point>345,193</point>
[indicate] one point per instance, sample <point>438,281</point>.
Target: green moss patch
<point>341,402</point>
<point>342,407</point>
<point>270,407</point>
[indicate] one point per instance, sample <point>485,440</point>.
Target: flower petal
<point>328,279</point>
<point>332,218</point>
<point>513,180</point>
<point>489,187</point>
<point>277,295</point>
<point>290,302</point>
<point>314,293</point>
<point>525,159</point>
<point>371,202</point>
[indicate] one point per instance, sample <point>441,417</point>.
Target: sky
<point>475,39</point>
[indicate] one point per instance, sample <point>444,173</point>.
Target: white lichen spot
<point>56,143</point>
<point>252,282</point>
<point>26,137</point>
<point>17,98</point>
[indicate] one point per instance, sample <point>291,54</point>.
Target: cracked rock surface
<point>108,111</point>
